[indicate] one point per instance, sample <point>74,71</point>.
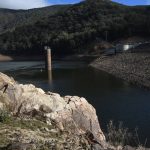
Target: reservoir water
<point>113,98</point>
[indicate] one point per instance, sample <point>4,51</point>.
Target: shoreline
<point>131,67</point>
<point>87,58</point>
<point>6,58</point>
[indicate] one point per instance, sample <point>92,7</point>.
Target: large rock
<point>68,113</point>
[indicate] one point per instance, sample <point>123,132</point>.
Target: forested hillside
<point>77,26</point>
<point>10,19</point>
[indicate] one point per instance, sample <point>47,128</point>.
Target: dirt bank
<point>20,58</point>
<point>5,58</point>
<point>132,67</point>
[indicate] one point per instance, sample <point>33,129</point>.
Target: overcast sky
<point>23,4</point>
<point>27,4</point>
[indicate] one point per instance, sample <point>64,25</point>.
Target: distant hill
<point>71,30</point>
<point>10,19</point>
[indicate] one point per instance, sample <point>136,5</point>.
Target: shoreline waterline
<point>130,67</point>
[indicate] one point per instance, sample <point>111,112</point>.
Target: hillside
<point>81,24</point>
<point>10,19</point>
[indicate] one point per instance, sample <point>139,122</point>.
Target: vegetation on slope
<point>79,25</point>
<point>10,19</point>
<point>33,134</point>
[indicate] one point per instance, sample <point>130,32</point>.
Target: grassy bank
<point>33,134</point>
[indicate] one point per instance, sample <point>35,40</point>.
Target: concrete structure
<point>123,47</point>
<point>48,58</point>
<point>49,74</point>
<point>48,63</point>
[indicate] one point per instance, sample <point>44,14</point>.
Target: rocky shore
<point>132,67</point>
<point>31,117</point>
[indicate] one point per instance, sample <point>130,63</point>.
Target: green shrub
<point>4,116</point>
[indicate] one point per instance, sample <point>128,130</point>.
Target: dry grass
<point>118,135</point>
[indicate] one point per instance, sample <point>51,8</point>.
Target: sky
<point>134,2</point>
<point>28,4</point>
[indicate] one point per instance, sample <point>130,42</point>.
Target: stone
<point>70,113</point>
<point>21,146</point>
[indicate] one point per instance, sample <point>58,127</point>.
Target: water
<point>113,98</point>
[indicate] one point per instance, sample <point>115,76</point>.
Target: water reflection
<point>49,75</point>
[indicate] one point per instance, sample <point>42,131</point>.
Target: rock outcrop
<point>70,113</point>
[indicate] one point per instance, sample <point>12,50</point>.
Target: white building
<point>124,47</point>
